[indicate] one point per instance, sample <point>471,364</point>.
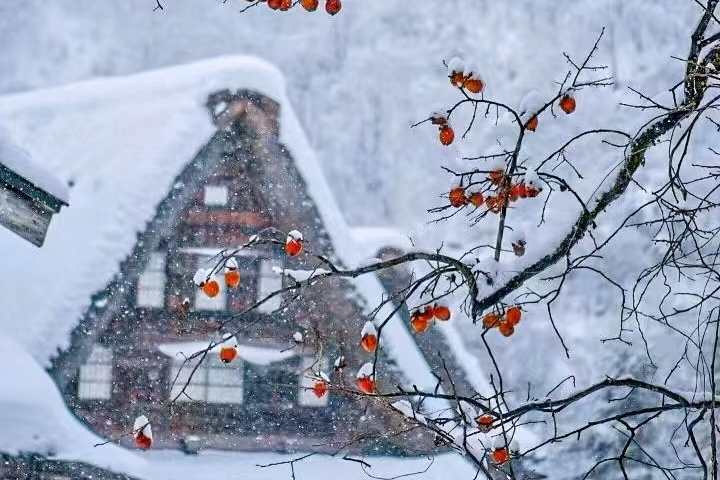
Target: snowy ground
<point>35,419</point>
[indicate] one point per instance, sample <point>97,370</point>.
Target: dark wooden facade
<point>263,188</point>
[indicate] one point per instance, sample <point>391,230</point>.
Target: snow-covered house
<point>168,168</point>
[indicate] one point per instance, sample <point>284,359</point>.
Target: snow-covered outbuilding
<point>29,194</point>
<point>169,168</point>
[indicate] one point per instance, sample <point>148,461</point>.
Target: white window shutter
<point>268,282</point>
<point>216,195</point>
<point>212,382</point>
<point>95,378</point>
<point>151,282</point>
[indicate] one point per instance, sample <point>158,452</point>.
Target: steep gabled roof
<point>123,141</point>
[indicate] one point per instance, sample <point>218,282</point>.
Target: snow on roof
<point>123,141</point>
<point>19,161</point>
<point>250,353</point>
<point>34,416</point>
<point>370,240</point>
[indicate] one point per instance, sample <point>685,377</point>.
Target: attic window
<point>268,283</point>
<point>306,381</point>
<point>95,379</point>
<point>212,382</point>
<point>216,195</point>
<point>151,283</point>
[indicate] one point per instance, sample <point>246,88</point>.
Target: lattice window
<point>151,283</point>
<point>268,282</point>
<point>306,381</point>
<point>212,382</point>
<point>95,378</point>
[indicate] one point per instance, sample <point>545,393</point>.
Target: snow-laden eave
<point>18,160</point>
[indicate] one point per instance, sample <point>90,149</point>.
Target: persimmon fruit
<point>441,312</point>
<point>447,135</point>
<point>532,124</point>
<point>513,315</point>
<point>320,388</point>
<point>491,320</point>
<point>369,342</point>
<point>567,104</point>
<point>333,6</point>
<point>232,278</point>
<point>228,354</point>
<point>506,329</point>
<point>457,197</point>
<point>211,288</point>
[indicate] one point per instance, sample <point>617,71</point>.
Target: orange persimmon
<point>228,354</point>
<point>477,199</point>
<point>211,288</point>
<point>274,4</point>
<point>441,312</point>
<point>366,384</point>
<point>142,442</point>
<point>494,204</point>
<point>484,422</point>
<point>457,197</point>
<point>286,5</point>
<point>447,135</point>
<point>333,6</point>
<point>369,342</point>
<point>419,322</point>
<point>474,85</point>
<point>500,455</point>
<point>532,124</point>
<point>521,190</point>
<point>232,278</point>
<point>506,328</point>
<point>491,320</point>
<point>320,388</point>
<point>513,315</point>
<point>457,79</point>
<point>567,104</point>
<point>293,247</point>
<point>309,5</point>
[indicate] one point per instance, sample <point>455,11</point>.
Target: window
<point>219,301</point>
<point>268,282</point>
<point>306,381</point>
<point>95,379</point>
<point>151,283</point>
<point>216,195</point>
<point>212,382</point>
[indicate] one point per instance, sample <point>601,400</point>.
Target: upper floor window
<point>216,195</point>
<point>95,379</point>
<point>151,282</point>
<point>268,283</point>
<point>212,382</point>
